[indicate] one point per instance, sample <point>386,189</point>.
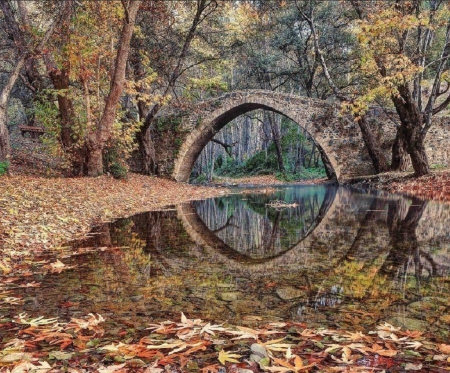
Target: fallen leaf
<point>225,356</point>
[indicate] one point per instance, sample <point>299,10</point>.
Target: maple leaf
<point>286,366</point>
<point>412,333</point>
<point>91,323</point>
<point>355,337</point>
<point>388,327</point>
<point>387,353</point>
<point>30,367</point>
<point>189,323</point>
<point>225,356</point>
<point>244,332</point>
<point>415,345</point>
<point>57,264</point>
<point>113,347</point>
<point>275,345</point>
<point>308,333</point>
<point>37,321</point>
<point>165,327</point>
<point>210,329</point>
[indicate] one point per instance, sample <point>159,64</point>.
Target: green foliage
<point>171,123</point>
<point>114,164</point>
<point>202,179</point>
<point>4,167</point>
<point>266,162</point>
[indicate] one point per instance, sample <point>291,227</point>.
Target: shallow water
<point>332,257</point>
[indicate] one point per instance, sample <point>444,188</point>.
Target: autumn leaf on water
<point>275,345</point>
<point>91,323</point>
<point>225,356</point>
<point>210,329</point>
<point>415,345</point>
<point>286,366</point>
<point>388,327</point>
<point>21,319</point>
<point>244,332</point>
<point>23,367</point>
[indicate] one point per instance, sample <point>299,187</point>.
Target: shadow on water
<point>332,258</point>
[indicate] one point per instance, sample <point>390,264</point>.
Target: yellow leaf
<point>225,356</point>
<point>298,362</point>
<point>387,353</point>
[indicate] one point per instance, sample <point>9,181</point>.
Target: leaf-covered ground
<point>40,213</point>
<point>435,186</point>
<point>48,345</point>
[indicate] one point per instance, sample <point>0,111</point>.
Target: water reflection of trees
<point>249,226</point>
<point>379,263</point>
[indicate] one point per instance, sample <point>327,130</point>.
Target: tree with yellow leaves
<point>405,49</point>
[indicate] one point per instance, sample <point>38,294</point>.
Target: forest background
<point>94,75</point>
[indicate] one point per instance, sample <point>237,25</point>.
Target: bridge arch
<point>211,116</point>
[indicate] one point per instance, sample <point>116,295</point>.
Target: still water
<point>329,257</point>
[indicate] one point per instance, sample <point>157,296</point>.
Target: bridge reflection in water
<point>250,229</point>
<point>341,257</point>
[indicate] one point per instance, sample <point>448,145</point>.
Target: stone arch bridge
<point>180,137</point>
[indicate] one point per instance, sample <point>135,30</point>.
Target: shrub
<point>4,167</point>
<point>116,166</point>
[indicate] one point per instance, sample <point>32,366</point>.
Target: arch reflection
<point>247,228</point>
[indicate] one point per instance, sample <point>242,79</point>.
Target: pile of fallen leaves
<point>435,186</point>
<point>80,345</point>
<point>41,213</point>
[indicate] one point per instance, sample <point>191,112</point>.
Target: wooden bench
<point>34,131</point>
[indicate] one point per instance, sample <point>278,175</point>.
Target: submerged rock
<point>290,292</point>
<point>230,296</point>
<point>408,323</point>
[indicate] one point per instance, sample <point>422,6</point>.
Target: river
<point>319,255</point>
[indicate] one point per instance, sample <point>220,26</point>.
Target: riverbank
<point>262,180</point>
<point>40,213</point>
<point>435,186</point>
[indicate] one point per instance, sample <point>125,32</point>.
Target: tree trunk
<point>97,142</point>
<point>5,147</point>
<point>376,154</point>
<point>276,141</point>
<point>148,154</point>
<point>327,165</point>
<point>411,122</point>
<point>95,161</point>
<point>400,159</point>
<point>419,159</point>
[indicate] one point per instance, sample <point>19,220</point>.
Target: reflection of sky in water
<point>342,257</point>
